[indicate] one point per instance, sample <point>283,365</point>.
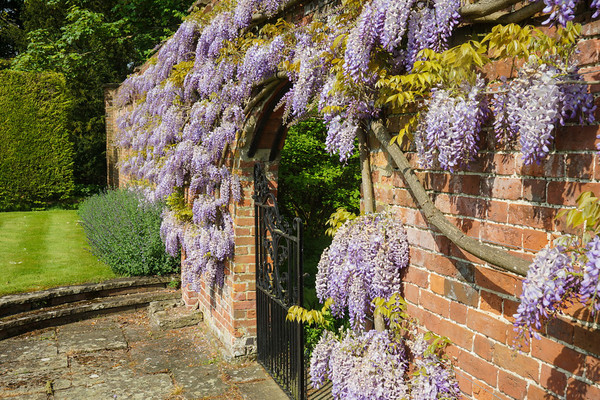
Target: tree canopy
<point>92,43</point>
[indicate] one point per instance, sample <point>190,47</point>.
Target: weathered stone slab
<point>262,390</point>
<point>166,315</point>
<point>200,382</point>
<point>165,354</point>
<point>88,336</point>
<point>21,381</point>
<point>251,372</point>
<point>123,386</point>
<point>41,344</point>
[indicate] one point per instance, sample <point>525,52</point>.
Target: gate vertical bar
<point>300,286</point>
<point>279,285</point>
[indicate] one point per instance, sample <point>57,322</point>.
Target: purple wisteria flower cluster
<point>450,129</point>
<point>375,366</point>
<point>590,283</point>
<point>548,286</point>
<point>540,99</point>
<point>558,277</point>
<point>179,115</point>
<point>563,11</point>
<point>382,24</point>
<point>363,262</point>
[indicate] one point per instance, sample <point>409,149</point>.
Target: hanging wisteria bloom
<point>363,262</point>
<point>549,285</point>
<point>536,103</point>
<point>374,366</point>
<point>591,275</point>
<point>450,129</point>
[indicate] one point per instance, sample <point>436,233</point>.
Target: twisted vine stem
<point>434,216</point>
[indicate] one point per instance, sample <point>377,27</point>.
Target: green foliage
<point>123,230</point>
<point>310,317</point>
<point>462,63</point>
<point>586,214</point>
<point>393,311</point>
<point>337,219</point>
<point>316,322</point>
<point>92,42</point>
<point>312,183</point>
<point>35,156</point>
<point>11,33</point>
<point>176,203</point>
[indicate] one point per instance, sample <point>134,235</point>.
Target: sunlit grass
<point>43,249</point>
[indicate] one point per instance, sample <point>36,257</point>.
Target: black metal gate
<point>279,285</point>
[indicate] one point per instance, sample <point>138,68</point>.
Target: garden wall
<point>497,200</point>
<point>503,203</point>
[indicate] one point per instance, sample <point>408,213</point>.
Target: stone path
<point>121,357</point>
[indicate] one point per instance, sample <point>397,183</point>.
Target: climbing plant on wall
<point>354,62</point>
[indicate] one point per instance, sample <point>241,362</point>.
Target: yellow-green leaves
<point>337,219</point>
<point>180,71</point>
<point>311,317</point>
<point>176,203</point>
<point>585,214</point>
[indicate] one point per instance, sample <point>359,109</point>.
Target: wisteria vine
<point>361,269</point>
<point>563,274</point>
<point>180,114</point>
<point>363,262</point>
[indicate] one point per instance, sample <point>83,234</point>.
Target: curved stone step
<point>68,312</point>
<point>21,302</point>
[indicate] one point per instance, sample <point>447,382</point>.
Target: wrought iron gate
<point>279,285</point>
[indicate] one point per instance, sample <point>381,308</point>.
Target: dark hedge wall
<point>36,157</point>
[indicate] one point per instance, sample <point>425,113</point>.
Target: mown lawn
<point>43,249</point>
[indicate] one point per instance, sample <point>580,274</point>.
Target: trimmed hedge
<point>36,156</point>
<point>123,230</point>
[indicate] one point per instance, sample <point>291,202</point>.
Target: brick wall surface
<point>504,203</point>
<point>497,200</point>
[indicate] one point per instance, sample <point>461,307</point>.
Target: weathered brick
<point>578,390</point>
<point>586,339</point>
<point>490,302</point>
<point>461,292</point>
<point>458,313</point>
<point>417,276</point>
<point>534,240</point>
<point>536,393</point>
<point>518,363</point>
<point>436,284</point>
<point>531,216</point>
<point>435,303</point>
<point>487,325</point>
<point>554,353</point>
<point>459,335</point>
<point>588,51</point>
<point>504,164</point>
<point>497,281</point>
<point>498,211</point>
<point>483,347</point>
<point>478,367</point>
<point>512,385</point>
<point>552,379</point>
<point>579,166</point>
<point>534,190</point>
<point>560,329</point>
<point>576,137</point>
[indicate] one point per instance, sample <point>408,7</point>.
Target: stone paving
<point>122,357</point>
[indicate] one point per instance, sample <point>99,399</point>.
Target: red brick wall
<point>501,202</point>
<point>231,310</point>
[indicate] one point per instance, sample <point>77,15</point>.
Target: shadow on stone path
<point>121,357</point>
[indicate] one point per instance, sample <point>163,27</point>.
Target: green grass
<point>42,249</point>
